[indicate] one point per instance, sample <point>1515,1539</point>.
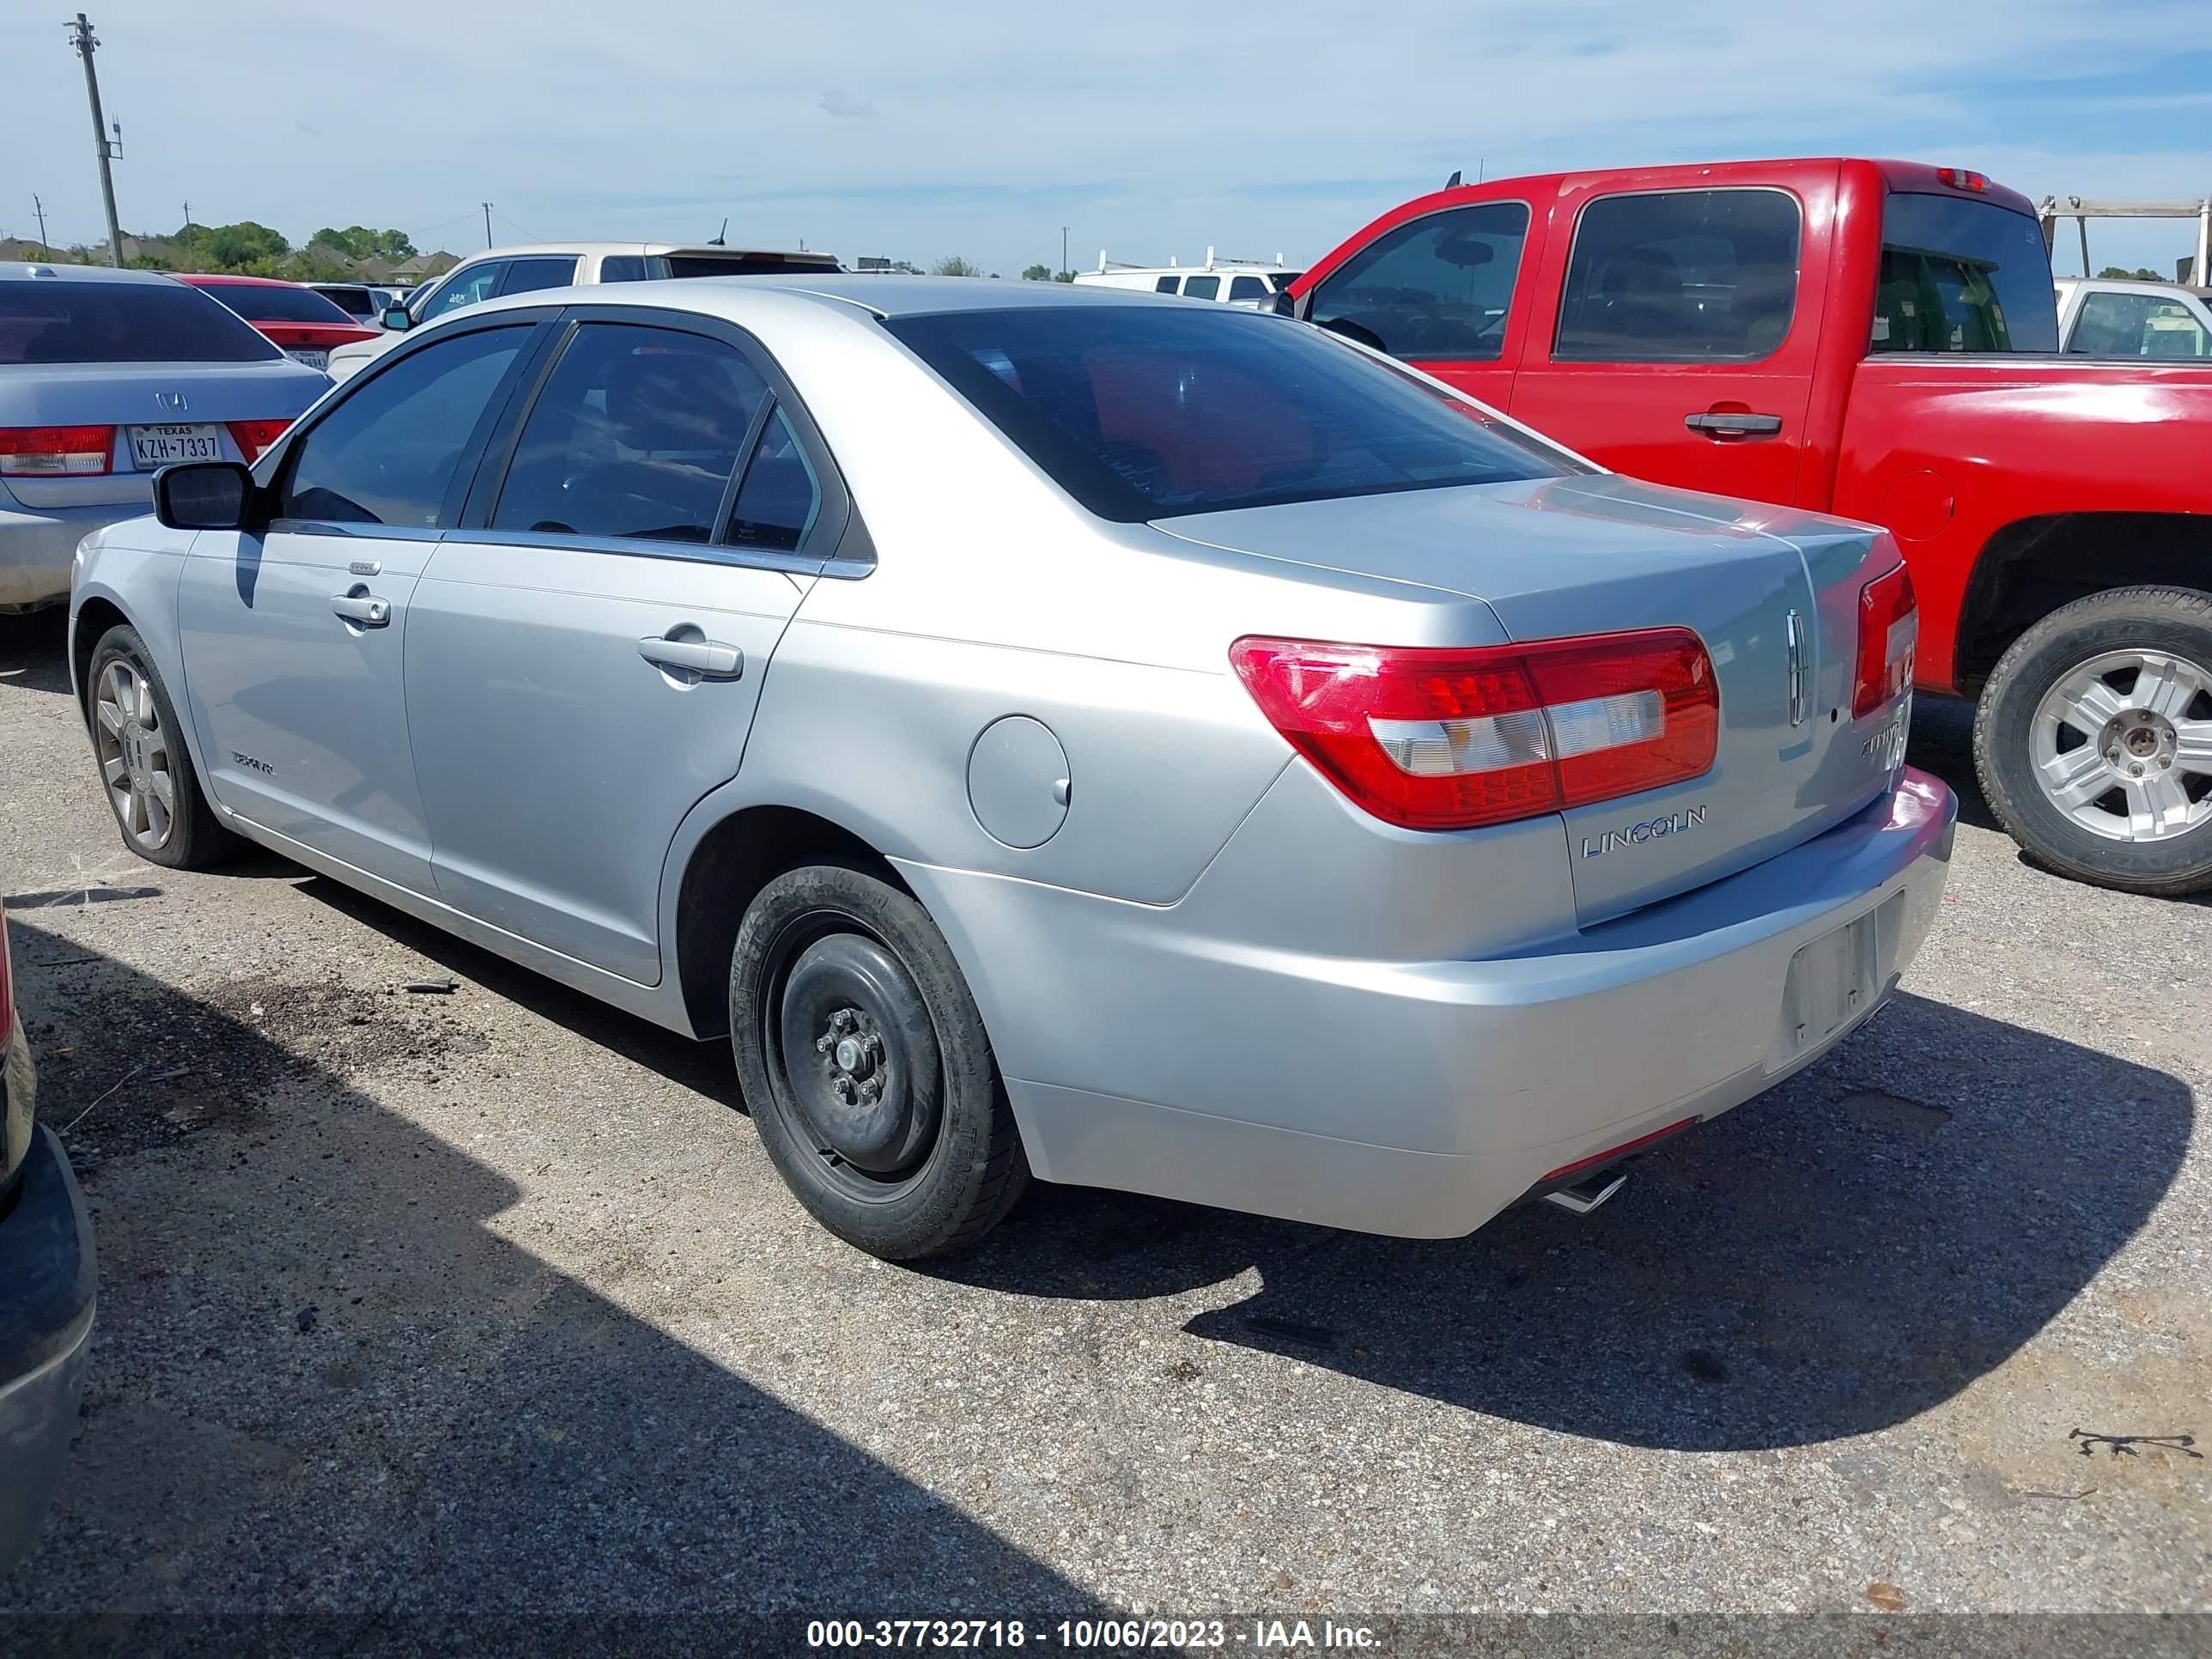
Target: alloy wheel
<point>2122,744</point>
<point>134,763</point>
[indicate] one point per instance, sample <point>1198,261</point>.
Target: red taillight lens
<point>1889,628</point>
<point>55,451</point>
<point>1960,178</point>
<point>1451,739</point>
<point>252,437</point>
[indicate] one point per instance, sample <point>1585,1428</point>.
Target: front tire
<point>865,1061</point>
<point>2094,740</point>
<point>145,770</point>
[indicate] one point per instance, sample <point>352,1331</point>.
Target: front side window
<point>1689,275</point>
<point>44,321</point>
<point>2137,325</point>
<point>1436,289</point>
<point>1247,288</point>
<point>388,451</point>
<point>1959,275</point>
<point>635,434</point>
<point>1201,287</point>
<point>464,287</point>
<point>527,276</point>
<point>1141,412</point>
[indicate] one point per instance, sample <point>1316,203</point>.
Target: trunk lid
<point>1556,558</point>
<point>124,395</point>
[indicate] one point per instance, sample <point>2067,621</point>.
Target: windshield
<point>271,303</point>
<point>1145,411</point>
<point>1962,276</point>
<point>162,322</point>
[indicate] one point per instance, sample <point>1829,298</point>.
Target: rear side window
<point>780,499</point>
<point>2137,325</point>
<point>527,276</point>
<point>1166,284</point>
<point>1201,287</point>
<point>635,436</point>
<point>1284,279</point>
<point>1959,275</point>
<point>1690,275</point>
<point>158,322</point>
<point>1247,288</point>
<point>273,304</point>
<point>1436,289</point>
<point>626,268</point>
<point>1141,412</point>
<point>386,452</point>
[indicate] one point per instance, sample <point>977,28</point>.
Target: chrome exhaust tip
<point>1586,1195</point>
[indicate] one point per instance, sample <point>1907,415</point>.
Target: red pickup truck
<point>1877,339</point>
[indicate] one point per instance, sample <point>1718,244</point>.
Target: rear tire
<point>2094,740</point>
<point>146,769</point>
<point>867,1066</point>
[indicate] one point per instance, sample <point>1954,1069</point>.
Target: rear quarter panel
<point>1946,451</point>
<point>136,566</point>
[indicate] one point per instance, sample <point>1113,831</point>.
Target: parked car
<point>1261,799</point>
<point>1232,282</point>
<point>303,324</point>
<point>364,304</point>
<point>2105,317</point>
<point>1877,339</point>
<point>105,376</point>
<point>48,1281</point>
<point>504,271</point>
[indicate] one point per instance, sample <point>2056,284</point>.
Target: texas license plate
<point>308,355</point>
<point>1830,983</point>
<point>163,445</point>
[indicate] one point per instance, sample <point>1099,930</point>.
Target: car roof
<point>585,250</point>
<point>34,270</point>
<point>890,295</point>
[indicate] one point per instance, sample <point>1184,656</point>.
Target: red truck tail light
<point>55,451</point>
<point>1450,738</point>
<point>252,437</point>
<point>1960,178</point>
<point>1889,629</point>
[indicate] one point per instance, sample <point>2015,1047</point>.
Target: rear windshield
<point>1962,276</point>
<point>1142,412</point>
<point>277,305</point>
<point>353,301</point>
<point>163,322</point>
<point>739,263</point>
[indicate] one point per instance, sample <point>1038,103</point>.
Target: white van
<point>1234,281</point>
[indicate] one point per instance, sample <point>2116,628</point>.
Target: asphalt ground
<point>490,1303</point>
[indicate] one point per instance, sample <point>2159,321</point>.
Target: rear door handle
<point>710,660</point>
<point>362,607</point>
<point>1734,426</point>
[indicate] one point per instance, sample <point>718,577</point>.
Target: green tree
<point>1036,274</point>
<point>907,268</point>
<point>2113,273</point>
<point>954,265</point>
<point>360,242</point>
<point>244,246</point>
<point>1063,276</point>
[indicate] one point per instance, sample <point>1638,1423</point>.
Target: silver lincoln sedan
<point>1048,731</point>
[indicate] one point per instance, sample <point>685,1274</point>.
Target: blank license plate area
<point>1830,983</point>
<point>153,446</point>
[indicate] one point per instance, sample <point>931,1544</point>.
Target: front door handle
<point>1734,426</point>
<point>710,660</point>
<point>362,607</point>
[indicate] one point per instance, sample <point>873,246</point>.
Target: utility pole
<point>487,208</point>
<point>80,37</point>
<point>39,208</point>
<point>1063,250</point>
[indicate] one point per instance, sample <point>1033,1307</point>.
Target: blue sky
<point>980,127</point>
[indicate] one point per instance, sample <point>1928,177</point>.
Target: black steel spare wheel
<point>861,1057</point>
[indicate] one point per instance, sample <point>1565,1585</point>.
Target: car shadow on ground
<point>33,649</point>
<point>1828,1261</point>
<point>324,1381</point>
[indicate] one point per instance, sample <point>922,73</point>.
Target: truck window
<point>1436,289</point>
<point>2137,325</point>
<point>1689,275</point>
<point>1166,284</point>
<point>1247,288</point>
<point>1201,287</point>
<point>1961,275</point>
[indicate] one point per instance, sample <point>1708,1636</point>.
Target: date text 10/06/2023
<point>1088,1635</point>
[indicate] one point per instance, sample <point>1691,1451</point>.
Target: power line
<point>504,220</point>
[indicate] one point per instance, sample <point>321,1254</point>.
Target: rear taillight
<point>55,451</point>
<point>1889,628</point>
<point>1450,738</point>
<point>252,437</point>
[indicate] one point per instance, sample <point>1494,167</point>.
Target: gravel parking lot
<point>491,1300</point>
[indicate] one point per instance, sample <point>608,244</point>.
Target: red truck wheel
<point>2094,740</point>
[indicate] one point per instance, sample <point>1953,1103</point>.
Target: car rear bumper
<point>1420,1098</point>
<point>48,1279</point>
<point>37,544</point>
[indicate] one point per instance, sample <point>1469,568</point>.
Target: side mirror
<point>204,496</point>
<point>396,318</point>
<point>1280,304</point>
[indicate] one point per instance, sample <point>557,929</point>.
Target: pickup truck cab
<point>1878,340</point>
<point>2114,317</point>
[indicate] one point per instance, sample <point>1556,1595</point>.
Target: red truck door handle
<point>1715,423</point>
